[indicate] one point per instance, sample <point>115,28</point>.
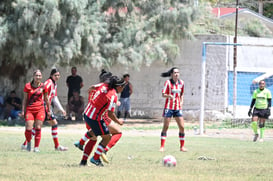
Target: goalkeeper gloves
<point>250,112</point>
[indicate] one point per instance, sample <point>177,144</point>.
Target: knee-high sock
<point>37,137</point>
<point>262,132</point>
<point>32,134</point>
<point>85,138</point>
<point>54,133</point>
<point>163,139</point>
<point>254,126</point>
<point>28,135</point>
<point>182,139</point>
<point>88,149</point>
<point>98,152</point>
<point>113,141</point>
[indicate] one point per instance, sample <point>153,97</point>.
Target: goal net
<point>229,91</point>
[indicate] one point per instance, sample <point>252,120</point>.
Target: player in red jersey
<point>104,100</point>
<point>51,85</point>
<point>173,92</point>
<point>114,128</point>
<point>35,94</point>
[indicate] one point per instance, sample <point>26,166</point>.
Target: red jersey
<point>51,86</point>
<point>35,98</point>
<point>176,90</point>
<point>104,99</point>
<point>91,94</point>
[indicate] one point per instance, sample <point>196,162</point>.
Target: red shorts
<point>35,115</point>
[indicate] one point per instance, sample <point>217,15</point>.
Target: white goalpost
<point>265,74</point>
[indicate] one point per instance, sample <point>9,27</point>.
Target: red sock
<point>98,152</point>
<point>163,139</point>
<point>182,139</point>
<point>28,135</point>
<point>88,149</point>
<point>113,141</point>
<point>84,138</point>
<point>54,133</point>
<point>37,137</point>
<point>32,134</point>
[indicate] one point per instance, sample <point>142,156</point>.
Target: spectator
<point>1,105</point>
<point>73,82</point>
<point>125,98</point>
<point>75,106</point>
<point>13,106</point>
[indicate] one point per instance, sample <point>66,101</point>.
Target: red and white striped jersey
<point>104,99</point>
<point>176,90</point>
<point>52,89</point>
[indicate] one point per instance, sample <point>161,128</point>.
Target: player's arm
<point>251,106</point>
<point>47,103</point>
<point>59,106</point>
<point>24,104</point>
<point>113,116</point>
<point>165,92</point>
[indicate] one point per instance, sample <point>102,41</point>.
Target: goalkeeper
<point>261,98</point>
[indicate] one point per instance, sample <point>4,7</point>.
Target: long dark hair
<point>53,71</point>
<point>115,82</point>
<point>104,76</point>
<point>168,74</point>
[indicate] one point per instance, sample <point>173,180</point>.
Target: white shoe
<point>23,147</point>
<point>261,140</point>
<point>36,149</point>
<point>61,148</point>
<point>104,157</point>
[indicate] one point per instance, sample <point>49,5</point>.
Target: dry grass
<point>136,158</point>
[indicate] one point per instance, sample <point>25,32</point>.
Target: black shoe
<point>83,163</point>
<point>96,162</point>
<point>255,137</point>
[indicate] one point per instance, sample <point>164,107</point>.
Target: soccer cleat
<point>104,157</point>
<point>83,163</point>
<point>78,145</point>
<point>255,137</point>
<point>161,149</point>
<point>36,149</point>
<point>28,146</point>
<point>61,148</point>
<point>23,147</point>
<point>183,149</point>
<point>261,140</point>
<point>96,162</point>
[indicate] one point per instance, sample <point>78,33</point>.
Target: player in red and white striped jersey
<point>103,100</point>
<point>173,92</point>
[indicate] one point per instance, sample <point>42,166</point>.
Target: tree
<point>98,33</point>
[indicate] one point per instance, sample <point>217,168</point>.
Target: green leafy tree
<point>97,33</point>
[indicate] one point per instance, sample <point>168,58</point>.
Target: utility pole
<point>235,62</point>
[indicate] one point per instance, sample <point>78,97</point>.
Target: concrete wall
<point>146,100</point>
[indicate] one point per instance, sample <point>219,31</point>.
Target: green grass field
<point>137,159</point>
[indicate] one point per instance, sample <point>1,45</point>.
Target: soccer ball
<point>169,161</point>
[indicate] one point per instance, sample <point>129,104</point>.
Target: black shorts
<point>52,116</point>
<point>98,127</point>
<point>261,113</point>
